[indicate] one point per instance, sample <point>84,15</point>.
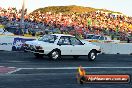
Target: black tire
<point>75,57</point>
<point>55,55</point>
<point>37,55</point>
<point>92,55</point>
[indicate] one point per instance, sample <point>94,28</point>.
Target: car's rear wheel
<point>55,55</point>
<point>37,55</point>
<point>92,55</point>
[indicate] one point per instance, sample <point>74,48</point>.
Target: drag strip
<point>31,72</point>
<point>57,78</point>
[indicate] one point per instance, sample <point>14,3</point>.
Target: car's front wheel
<point>55,55</point>
<point>92,55</point>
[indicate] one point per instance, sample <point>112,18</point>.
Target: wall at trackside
<point>13,43</point>
<point>115,48</point>
<point>6,43</point>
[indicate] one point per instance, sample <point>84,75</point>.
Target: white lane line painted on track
<point>11,72</point>
<point>72,68</point>
<point>66,68</point>
<point>11,67</point>
<point>2,66</point>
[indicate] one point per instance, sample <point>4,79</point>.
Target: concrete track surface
<point>23,70</point>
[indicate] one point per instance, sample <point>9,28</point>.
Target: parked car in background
<point>56,45</point>
<point>14,29</point>
<point>129,39</point>
<point>5,32</point>
<point>101,38</point>
<point>89,36</point>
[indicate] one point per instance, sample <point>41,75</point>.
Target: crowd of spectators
<point>99,22</point>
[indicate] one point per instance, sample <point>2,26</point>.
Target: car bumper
<point>27,49</point>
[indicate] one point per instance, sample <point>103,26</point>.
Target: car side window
<point>75,41</point>
<point>64,40</point>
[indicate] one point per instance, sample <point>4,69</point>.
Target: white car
<point>56,45</point>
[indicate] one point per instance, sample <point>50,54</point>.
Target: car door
<point>78,47</point>
<point>64,45</point>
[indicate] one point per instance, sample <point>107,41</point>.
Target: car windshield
<point>48,38</point>
<point>95,37</point>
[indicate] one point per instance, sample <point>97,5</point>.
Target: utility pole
<point>22,16</point>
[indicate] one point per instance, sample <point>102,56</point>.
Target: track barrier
<point>14,43</point>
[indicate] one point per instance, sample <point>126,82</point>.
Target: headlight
<point>25,45</point>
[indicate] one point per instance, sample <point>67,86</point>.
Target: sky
<point>123,6</point>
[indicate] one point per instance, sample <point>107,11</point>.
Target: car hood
<point>37,43</point>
